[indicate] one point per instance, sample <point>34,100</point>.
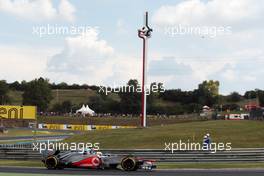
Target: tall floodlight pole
<point>144,33</point>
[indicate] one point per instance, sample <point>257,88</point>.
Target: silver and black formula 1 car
<point>94,160</point>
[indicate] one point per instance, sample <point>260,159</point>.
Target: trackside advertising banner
<point>79,127</point>
<point>18,112</point>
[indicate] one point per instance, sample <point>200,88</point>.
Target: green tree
<point>211,86</point>
<point>56,107</point>
<point>38,93</point>
<point>208,92</point>
<point>3,92</point>
<point>102,104</point>
<point>64,107</point>
<point>250,94</point>
<point>62,85</point>
<point>15,85</point>
<point>130,97</point>
<point>234,97</point>
<point>97,104</point>
<point>153,93</point>
<point>260,95</point>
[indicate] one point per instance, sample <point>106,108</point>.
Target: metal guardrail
<point>235,155</point>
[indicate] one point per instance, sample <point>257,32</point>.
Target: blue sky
<point>225,43</point>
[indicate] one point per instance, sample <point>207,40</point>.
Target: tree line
<point>38,92</point>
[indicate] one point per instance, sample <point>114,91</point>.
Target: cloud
<point>229,75</point>
<point>168,66</point>
<point>189,72</point>
<point>121,27</point>
<point>250,78</point>
<point>204,69</point>
<point>66,10</point>
<point>183,61</point>
<point>234,59</point>
<point>38,10</point>
<point>88,59</point>
<point>198,12</point>
<point>84,54</point>
<point>22,62</point>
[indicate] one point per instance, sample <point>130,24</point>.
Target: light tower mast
<point>144,33</point>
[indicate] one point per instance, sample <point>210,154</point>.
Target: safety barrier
<point>234,155</point>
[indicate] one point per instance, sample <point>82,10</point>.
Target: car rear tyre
<point>51,162</point>
<point>129,164</point>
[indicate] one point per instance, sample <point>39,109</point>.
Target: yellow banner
<point>54,126</point>
<point>103,127</point>
<point>18,112</point>
<point>127,127</point>
<point>76,127</point>
<point>79,127</point>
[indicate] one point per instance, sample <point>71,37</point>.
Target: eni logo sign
<point>18,112</point>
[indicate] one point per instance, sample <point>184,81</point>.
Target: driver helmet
<point>99,153</point>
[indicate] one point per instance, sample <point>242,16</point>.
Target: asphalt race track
<point>180,172</point>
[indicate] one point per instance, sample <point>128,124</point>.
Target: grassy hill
<point>75,96</point>
<point>239,133</point>
<point>16,97</point>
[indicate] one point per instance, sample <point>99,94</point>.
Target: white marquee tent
<point>85,110</point>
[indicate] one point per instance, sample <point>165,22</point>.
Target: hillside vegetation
<point>75,96</point>
<point>79,96</point>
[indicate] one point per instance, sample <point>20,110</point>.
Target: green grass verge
<point>15,174</point>
<point>209,165</point>
<point>27,174</point>
<point>30,132</point>
<point>242,134</point>
<point>22,163</point>
<point>116,121</point>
